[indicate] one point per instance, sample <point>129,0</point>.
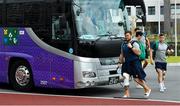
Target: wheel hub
<point>22,75</point>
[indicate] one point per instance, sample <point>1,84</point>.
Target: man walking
<point>131,65</point>
<point>145,41</point>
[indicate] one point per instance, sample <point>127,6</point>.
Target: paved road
<point>172,84</point>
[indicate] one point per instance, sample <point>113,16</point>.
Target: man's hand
<point>170,51</point>
<point>129,45</point>
<point>151,61</point>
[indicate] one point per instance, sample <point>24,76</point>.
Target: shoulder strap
<point>133,41</point>
<point>156,45</point>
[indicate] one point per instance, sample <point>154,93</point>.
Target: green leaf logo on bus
<point>11,36</point>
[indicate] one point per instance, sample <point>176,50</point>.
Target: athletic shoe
<point>125,96</point>
<point>161,89</point>
<point>161,86</point>
<point>164,87</point>
<point>146,95</point>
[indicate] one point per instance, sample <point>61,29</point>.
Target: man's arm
<point>148,44</point>
<point>152,47</point>
<point>121,57</point>
<point>151,56</point>
<point>135,48</point>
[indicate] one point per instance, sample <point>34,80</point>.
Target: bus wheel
<point>20,76</point>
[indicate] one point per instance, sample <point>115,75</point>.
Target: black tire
<point>17,69</point>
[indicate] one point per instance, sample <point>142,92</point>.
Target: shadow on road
<point>95,91</point>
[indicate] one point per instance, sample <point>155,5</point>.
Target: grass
<point>173,59</point>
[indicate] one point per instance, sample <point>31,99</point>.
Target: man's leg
<point>160,79</point>
<point>126,84</point>
<point>163,79</point>
<point>145,63</point>
<point>147,89</point>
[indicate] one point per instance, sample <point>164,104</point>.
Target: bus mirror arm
<point>143,18</point>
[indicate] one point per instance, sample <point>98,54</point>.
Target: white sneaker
<point>146,95</point>
<point>164,87</point>
<point>161,86</point>
<point>161,89</point>
<point>125,96</point>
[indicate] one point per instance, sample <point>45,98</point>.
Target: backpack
<point>155,48</point>
<point>142,56</point>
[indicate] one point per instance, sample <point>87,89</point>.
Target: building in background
<point>162,11</point>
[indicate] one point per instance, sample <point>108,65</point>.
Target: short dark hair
<point>136,29</point>
<point>128,32</point>
<point>161,34</point>
<point>139,33</point>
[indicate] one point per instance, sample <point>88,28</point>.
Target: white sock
<point>161,85</point>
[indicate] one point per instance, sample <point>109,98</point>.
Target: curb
<point>173,64</point>
<point>169,64</point>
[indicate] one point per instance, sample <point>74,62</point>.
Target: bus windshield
<point>100,17</point>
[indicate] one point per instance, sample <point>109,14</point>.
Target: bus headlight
<point>87,74</point>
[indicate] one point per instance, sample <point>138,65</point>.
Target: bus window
<point>34,17</point>
<point>49,20</point>
<point>14,14</point>
<point>1,7</point>
<point>34,14</point>
<point>60,28</point>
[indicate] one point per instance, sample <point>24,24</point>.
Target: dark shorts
<point>161,65</point>
<point>134,68</point>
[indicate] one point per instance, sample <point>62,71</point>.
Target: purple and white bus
<point>61,43</point>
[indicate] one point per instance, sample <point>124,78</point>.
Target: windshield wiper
<point>112,36</point>
<point>109,35</point>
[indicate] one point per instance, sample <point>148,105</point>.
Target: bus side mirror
<point>120,23</point>
<point>79,11</point>
<point>60,32</point>
<point>143,18</point>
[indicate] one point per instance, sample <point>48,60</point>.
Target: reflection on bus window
<point>100,17</point>
<point>60,28</point>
